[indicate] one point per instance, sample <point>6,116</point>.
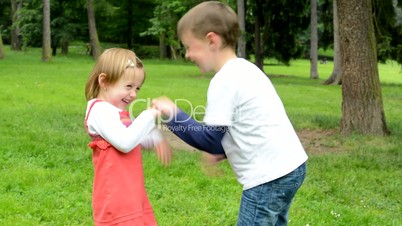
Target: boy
<point>245,119</point>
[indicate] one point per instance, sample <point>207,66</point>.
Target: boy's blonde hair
<point>211,16</point>
<point>112,62</point>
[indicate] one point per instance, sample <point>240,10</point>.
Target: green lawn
<point>46,167</point>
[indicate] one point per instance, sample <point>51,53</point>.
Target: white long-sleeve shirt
<point>104,120</point>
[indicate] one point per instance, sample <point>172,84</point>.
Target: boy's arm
<point>203,137</point>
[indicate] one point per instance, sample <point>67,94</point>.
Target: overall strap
<point>86,118</point>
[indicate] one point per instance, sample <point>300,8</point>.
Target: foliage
<point>30,17</point>
<point>387,29</point>
<point>326,33</point>
<point>143,22</point>
<point>1,44</point>
<point>47,172</point>
<point>282,24</point>
<point>166,15</point>
<point>146,51</point>
<point>67,23</point>
<point>164,22</point>
<point>5,19</point>
<point>118,19</point>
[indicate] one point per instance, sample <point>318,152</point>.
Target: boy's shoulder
<point>241,71</point>
<point>240,64</point>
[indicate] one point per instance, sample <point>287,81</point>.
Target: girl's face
<point>198,51</point>
<point>124,91</point>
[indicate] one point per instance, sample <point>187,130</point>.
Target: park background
<point>46,167</point>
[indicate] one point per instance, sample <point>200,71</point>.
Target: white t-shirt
<point>261,143</point>
<point>104,120</point>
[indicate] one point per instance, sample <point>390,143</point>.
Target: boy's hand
<point>165,106</point>
<point>164,152</point>
<point>209,164</point>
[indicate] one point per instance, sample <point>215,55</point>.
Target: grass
<point>46,167</point>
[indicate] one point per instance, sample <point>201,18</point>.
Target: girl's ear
<point>102,80</point>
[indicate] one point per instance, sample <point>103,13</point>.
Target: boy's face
<point>198,51</point>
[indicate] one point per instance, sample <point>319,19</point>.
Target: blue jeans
<point>268,204</point>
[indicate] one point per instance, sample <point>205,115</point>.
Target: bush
<point>146,51</point>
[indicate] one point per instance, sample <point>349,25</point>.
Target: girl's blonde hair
<point>112,62</point>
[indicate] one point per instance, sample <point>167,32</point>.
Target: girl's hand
<point>155,112</point>
<point>164,152</point>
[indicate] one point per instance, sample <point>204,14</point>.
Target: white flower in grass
<point>336,215</point>
<point>364,206</point>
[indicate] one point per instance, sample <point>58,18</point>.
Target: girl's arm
<point>105,121</point>
<point>156,140</point>
<point>153,138</point>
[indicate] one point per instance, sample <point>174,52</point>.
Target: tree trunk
<point>336,76</point>
<point>162,46</point>
<point>362,107</point>
<point>313,41</point>
<point>258,50</point>
<point>64,47</point>
<point>93,34</point>
<point>16,38</point>
<point>129,35</point>
<point>46,39</point>
<point>1,47</point>
<point>173,52</point>
<point>241,44</point>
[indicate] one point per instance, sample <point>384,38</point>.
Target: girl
<point>119,196</point>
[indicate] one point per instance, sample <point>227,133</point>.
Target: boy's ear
<point>102,80</point>
<point>213,39</point>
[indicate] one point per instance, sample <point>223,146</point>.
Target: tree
<point>1,46</point>
<point>130,24</point>
<point>387,31</point>
<point>313,41</point>
<point>46,40</point>
<point>336,76</point>
<point>241,44</point>
<point>67,24</point>
<point>129,17</point>
<point>93,34</point>
<point>386,28</point>
<point>280,25</point>
<point>258,42</point>
<point>16,41</point>
<point>265,24</point>
<point>30,21</point>
<point>362,107</point>
<point>166,15</point>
